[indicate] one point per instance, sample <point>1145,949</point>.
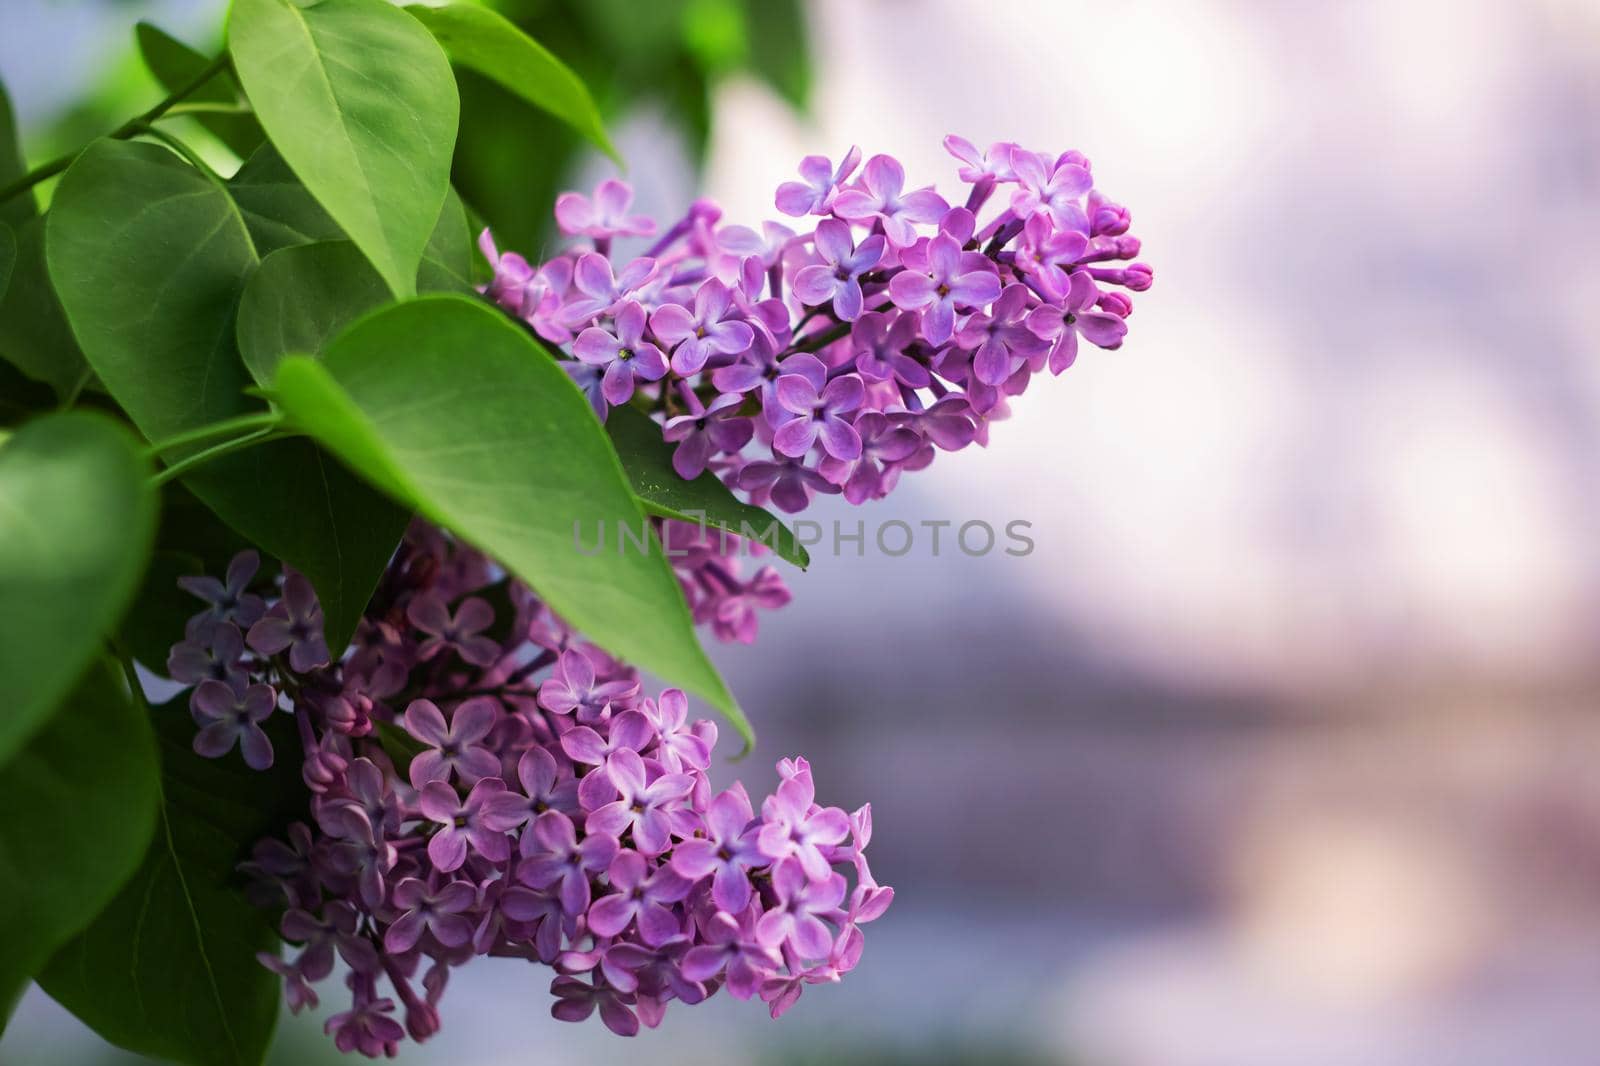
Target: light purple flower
<point>604,216</point>
<point>678,744</point>
<point>453,748</point>
<point>881,341</point>
<point>794,826</point>
<point>1068,312</point>
<point>838,278</point>
<point>639,807</point>
<point>629,730</point>
<point>952,279</point>
<point>367,1028</point>
<point>994,164</point>
<point>438,912</point>
<point>797,920</point>
<point>604,292</point>
<point>229,717</point>
<point>817,415</point>
<point>228,600</point>
<point>1002,341</point>
<point>576,1000</point>
<point>726,853</point>
<point>815,195</point>
<point>881,198</point>
<point>553,855</point>
<point>461,823</point>
<point>730,946</point>
<point>706,431</point>
<point>573,689</point>
<point>709,330</point>
<point>625,355</point>
<point>1054,188</point>
<point>462,631</point>
<point>787,481</point>
<point>884,445</point>
<point>294,624</point>
<point>641,895</point>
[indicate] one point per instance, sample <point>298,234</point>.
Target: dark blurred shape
<point>511,159</point>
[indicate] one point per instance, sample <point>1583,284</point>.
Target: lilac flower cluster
<point>484,782</point>
<point>832,361</point>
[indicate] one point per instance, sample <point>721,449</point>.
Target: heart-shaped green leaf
<point>306,294</point>
<point>704,501</point>
<point>34,335</point>
<point>81,803</point>
<point>175,65</point>
<point>452,408</point>
<point>361,103</point>
<point>489,43</point>
<point>8,257</point>
<point>76,520</point>
<point>21,207</point>
<point>149,257</point>
<point>169,968</point>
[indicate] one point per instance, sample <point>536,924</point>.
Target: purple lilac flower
<point>695,337</point>
<point>1000,338</point>
<point>576,1000</point>
<point>453,748</point>
<point>837,279</point>
<point>951,279</point>
<point>639,808</point>
<point>786,481</point>
<point>1053,188</point>
<point>803,903</point>
<point>209,650</point>
<point>437,912</point>
<point>554,858</point>
<point>604,216</point>
<point>625,355</point>
<point>726,852</point>
<point>706,431</point>
<point>463,824</point>
<point>640,896</point>
<point>461,632</point>
<point>229,599</point>
<point>815,195</point>
<point>1068,313</point>
<point>880,197</point>
<point>574,689</point>
<point>818,416</point>
<point>294,624</point>
<point>794,827</point>
<point>603,292</point>
<point>229,717</point>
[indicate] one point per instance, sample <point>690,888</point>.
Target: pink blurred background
<point>1281,745</point>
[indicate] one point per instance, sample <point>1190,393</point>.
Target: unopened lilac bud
<point>1118,303</point>
<point>1107,219</point>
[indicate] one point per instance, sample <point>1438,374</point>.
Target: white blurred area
<point>1281,747</point>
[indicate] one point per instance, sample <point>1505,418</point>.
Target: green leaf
<point>300,299</point>
<point>21,207</point>
<point>175,65</point>
<point>452,408</point>
<point>76,521</point>
<point>149,257</point>
<point>34,335</point>
<point>491,44</point>
<point>8,257</point>
<point>169,968</point>
<point>778,49</point>
<point>648,461</point>
<point>306,294</point>
<point>361,103</point>
<point>81,803</point>
<point>277,209</point>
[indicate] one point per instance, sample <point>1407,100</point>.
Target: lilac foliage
<point>484,782</point>
<point>832,360</point>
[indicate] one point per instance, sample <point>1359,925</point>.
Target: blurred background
<point>1280,746</point>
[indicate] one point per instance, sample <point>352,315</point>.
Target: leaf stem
<point>216,451</point>
<point>204,108</point>
<point>250,422</point>
<point>134,125</point>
